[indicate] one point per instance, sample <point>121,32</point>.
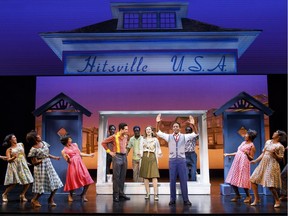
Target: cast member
<point>191,155</point>
<point>150,151</point>
<point>134,142</point>
<point>17,171</point>
<point>268,173</point>
<point>45,177</point>
<point>119,161</point>
<point>77,175</point>
<point>239,173</point>
<point>111,131</point>
<point>283,191</point>
<point>177,161</point>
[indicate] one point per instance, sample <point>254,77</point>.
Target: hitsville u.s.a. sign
<point>128,63</point>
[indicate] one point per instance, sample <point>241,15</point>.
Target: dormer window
<point>149,16</point>
<point>149,20</point>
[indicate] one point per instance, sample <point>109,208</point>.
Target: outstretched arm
<point>87,155</point>
<point>54,157</point>
<point>3,157</point>
<point>191,121</point>
<point>158,120</point>
<point>229,154</point>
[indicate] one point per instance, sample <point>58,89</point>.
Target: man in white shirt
<point>177,161</point>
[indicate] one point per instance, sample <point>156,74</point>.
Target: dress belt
<point>120,153</point>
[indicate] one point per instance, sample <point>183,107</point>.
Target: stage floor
<point>214,203</point>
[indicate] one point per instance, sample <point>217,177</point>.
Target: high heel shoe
<point>4,198</point>
<point>35,203</point>
<point>235,199</point>
<point>277,204</point>
<point>70,199</point>
<point>147,196</point>
<point>23,198</point>
<point>256,202</point>
<point>51,203</point>
<point>83,197</point>
<point>247,200</point>
<point>156,198</point>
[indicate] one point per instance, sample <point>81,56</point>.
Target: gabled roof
<point>244,101</point>
<point>189,25</point>
<point>61,102</point>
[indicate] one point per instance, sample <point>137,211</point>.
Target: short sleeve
<point>32,152</point>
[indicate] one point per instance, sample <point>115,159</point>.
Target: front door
<point>235,125</point>
<point>60,121</point>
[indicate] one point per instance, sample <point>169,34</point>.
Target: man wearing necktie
<point>119,160</point>
<point>177,160</point>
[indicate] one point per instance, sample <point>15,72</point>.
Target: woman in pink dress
<point>77,174</point>
<point>239,173</point>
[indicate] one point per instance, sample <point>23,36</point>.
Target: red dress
<point>239,173</point>
<point>77,174</point>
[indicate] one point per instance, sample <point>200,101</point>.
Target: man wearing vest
<point>177,160</point>
<point>119,161</point>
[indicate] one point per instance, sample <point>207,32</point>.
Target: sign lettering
<point>150,63</point>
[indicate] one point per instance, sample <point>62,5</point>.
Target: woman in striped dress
<point>239,173</point>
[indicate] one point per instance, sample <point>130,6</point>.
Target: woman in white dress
<point>17,171</point>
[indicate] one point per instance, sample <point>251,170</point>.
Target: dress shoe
<point>51,202</point>
<point>236,198</point>
<point>256,202</point>
<point>277,204</point>
<point>247,200</point>
<point>187,203</point>
<point>172,203</point>
<point>4,198</point>
<point>23,198</point>
<point>35,203</point>
<point>70,198</point>
<point>116,199</point>
<point>124,197</point>
<point>156,198</point>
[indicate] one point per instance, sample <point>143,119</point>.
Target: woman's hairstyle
<point>282,136</point>
<point>252,134</point>
<point>64,139</point>
<point>7,140</point>
<point>152,132</point>
<point>31,138</point>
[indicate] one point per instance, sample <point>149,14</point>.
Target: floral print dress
<point>17,170</point>
<point>268,172</point>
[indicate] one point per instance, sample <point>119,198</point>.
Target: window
<point>167,20</point>
<point>131,21</point>
<point>149,20</point>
